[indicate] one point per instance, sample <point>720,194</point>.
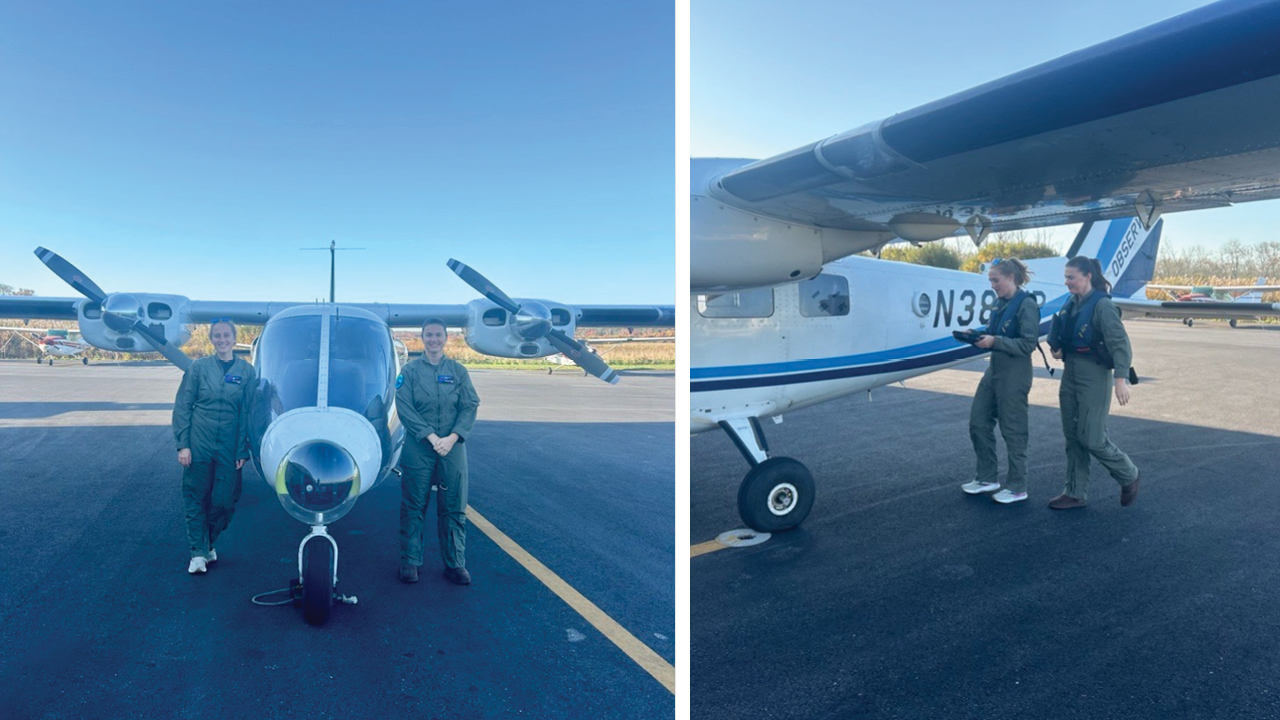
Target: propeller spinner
<point>532,321</point>
<point>120,312</point>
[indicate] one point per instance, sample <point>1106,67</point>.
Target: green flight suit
<point>1002,396</point>
<point>211,418</point>
<point>436,399</point>
<point>1085,398</point>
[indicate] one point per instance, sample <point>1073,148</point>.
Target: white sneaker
<point>213,555</point>
<point>977,488</point>
<point>1005,497</point>
<point>197,565</point>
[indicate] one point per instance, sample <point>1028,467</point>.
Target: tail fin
<point>1253,295</point>
<point>1126,250</point>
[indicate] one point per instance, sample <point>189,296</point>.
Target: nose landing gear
<point>318,575</point>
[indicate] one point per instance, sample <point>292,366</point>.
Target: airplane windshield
<point>359,374</point>
<point>361,366</point>
<point>288,363</point>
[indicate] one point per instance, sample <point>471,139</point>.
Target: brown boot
<point>408,573</point>
<point>1066,502</point>
<point>1129,493</point>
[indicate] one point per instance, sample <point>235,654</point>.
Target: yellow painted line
<point>709,546</point>
<point>652,662</point>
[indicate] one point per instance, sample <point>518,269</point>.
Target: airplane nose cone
<point>319,476</point>
<point>319,460</point>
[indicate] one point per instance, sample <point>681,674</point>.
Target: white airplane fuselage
<point>64,348</point>
<point>898,325</point>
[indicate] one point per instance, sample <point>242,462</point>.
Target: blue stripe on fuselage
<point>912,357</point>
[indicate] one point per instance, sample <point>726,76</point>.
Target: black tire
<point>1233,322</point>
<point>50,362</point>
<point>39,360</point>
<point>776,495</point>
<point>1190,322</point>
<point>84,360</point>
<point>317,581</point>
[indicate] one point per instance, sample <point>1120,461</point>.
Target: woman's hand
<point>445,444</point>
<point>1122,391</point>
<point>1057,354</point>
<point>184,457</point>
<point>240,463</point>
<point>986,342</point>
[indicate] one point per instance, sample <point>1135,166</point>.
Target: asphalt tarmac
<point>902,597</point>
<point>99,618</point>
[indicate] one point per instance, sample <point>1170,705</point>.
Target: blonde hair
<point>1014,268</point>
<point>224,321</point>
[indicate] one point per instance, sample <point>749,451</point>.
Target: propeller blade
<point>164,347</point>
<point>582,357</point>
<point>483,286</point>
<point>71,275</point>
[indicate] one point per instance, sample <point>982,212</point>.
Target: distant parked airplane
<point>53,342</point>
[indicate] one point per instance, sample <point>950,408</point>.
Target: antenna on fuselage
<point>333,252</point>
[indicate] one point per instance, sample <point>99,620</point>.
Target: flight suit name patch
<point>444,379</point>
<point>233,379</point>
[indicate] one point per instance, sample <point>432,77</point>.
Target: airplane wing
<point>1180,288</point>
<point>34,330</point>
<point>613,341</point>
<point>1210,309</point>
<point>27,334</point>
<point>1176,116</point>
<point>395,315</point>
<point>1246,288</point>
<point>496,324</point>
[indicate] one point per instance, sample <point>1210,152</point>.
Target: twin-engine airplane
<point>1177,116</point>
<point>52,342</point>
<point>323,423</point>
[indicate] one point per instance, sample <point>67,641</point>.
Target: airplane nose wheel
<point>318,573</point>
<point>776,495</point>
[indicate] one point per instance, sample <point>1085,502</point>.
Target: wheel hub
<point>782,498</point>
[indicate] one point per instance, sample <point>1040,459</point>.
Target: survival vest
<point>1005,323</point>
<point>1076,334</point>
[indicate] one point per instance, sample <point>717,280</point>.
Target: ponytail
<point>1099,280</point>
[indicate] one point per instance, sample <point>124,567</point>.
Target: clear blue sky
<point>768,77</point>
<point>194,147</point>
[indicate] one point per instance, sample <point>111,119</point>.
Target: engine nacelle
<point>494,331</point>
<point>111,329</point>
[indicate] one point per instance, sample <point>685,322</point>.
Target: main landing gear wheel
<point>317,581</point>
<point>1233,322</point>
<point>776,495</point>
<point>1188,322</point>
<point>84,360</point>
<point>50,362</point>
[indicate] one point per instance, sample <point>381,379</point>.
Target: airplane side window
<point>824,296</point>
<point>745,304</point>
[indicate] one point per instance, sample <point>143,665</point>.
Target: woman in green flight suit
<point>1091,341</point>
<point>437,405</point>
<point>1002,394</point>
<point>211,430</point>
